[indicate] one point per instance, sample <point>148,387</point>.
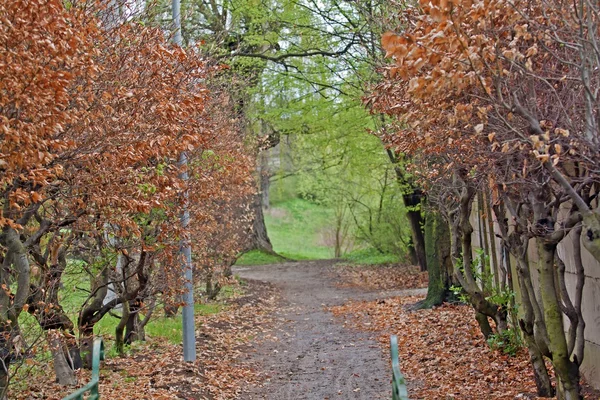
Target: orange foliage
<point>93,119</point>
<point>479,81</point>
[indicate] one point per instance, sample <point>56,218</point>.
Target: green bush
<point>508,342</point>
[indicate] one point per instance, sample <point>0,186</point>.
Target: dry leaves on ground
<point>442,353</point>
<point>156,370</point>
<point>381,277</point>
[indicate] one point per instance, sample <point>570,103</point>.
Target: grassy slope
<point>295,227</point>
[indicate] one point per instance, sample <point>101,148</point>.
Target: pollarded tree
<point>34,110</point>
<point>525,75</point>
<point>147,105</point>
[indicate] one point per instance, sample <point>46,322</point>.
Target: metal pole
<point>189,336</point>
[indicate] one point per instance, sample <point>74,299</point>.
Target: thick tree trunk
<point>92,314</point>
<point>212,288</point>
<point>461,231</point>
<point>53,319</point>
<point>439,264</point>
<point>527,325</point>
<point>540,372</point>
<point>547,239</point>
<point>260,238</point>
<point>534,337</point>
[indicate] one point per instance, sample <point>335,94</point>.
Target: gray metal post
<point>189,336</point>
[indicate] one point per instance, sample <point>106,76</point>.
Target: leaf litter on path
<point>381,277</point>
<point>443,355</point>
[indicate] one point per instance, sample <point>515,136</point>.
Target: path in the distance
<point>316,357</point>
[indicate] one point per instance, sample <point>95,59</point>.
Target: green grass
<point>296,227</point>
<point>75,291</point>
<point>159,326</point>
<point>370,256</point>
<point>257,257</point>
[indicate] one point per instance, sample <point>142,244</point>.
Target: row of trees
<point>96,108</point>
<point>497,101</point>
<point>308,94</point>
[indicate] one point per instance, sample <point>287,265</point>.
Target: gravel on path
<point>313,356</point>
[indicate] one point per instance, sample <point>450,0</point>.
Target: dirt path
<point>316,357</point>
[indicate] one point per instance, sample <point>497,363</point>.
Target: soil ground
<point>313,355</point>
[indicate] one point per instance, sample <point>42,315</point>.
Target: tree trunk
<point>120,328</point>
<point>86,345</point>
<point>532,323</point>
<point>484,325</point>
<point>412,253</point>
<point>134,329</point>
<point>11,304</point>
<point>439,264</point>
<point>540,372</point>
<point>212,288</point>
<point>535,339</point>
<point>461,245</point>
<point>265,180</point>
<point>260,238</point>
<point>527,325</point>
<point>44,306</point>
<point>62,367</point>
<point>412,201</point>
<point>567,371</point>
<point>90,315</point>
<point>412,197</point>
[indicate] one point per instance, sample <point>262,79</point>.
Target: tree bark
<point>62,367</point>
<point>11,304</point>
<point>265,178</point>
<point>462,252</point>
<point>439,264</point>
<point>413,198</point>
<point>3,382</point>
<point>120,328</point>
<point>260,237</point>
<point>527,325</point>
<point>134,328</point>
<point>567,371</point>
<point>484,325</point>
<point>91,314</point>
<point>412,201</point>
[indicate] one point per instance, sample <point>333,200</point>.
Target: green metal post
<point>92,387</point>
<point>399,391</point>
